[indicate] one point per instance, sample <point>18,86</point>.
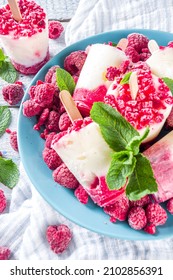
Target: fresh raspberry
<point>151,229</point>
<point>3,201</point>
<point>137,41</point>
<point>42,119</point>
<point>13,93</point>
<point>31,108</point>
<point>49,74</point>
<point>51,158</point>
<point>49,139</point>
<point>111,73</point>
<point>169,120</point>
<point>4,253</point>
<point>169,205</point>
<point>137,218</point>
<point>119,209</point>
<point>74,62</point>
<point>156,215</point>
<point>64,121</point>
<point>63,176</point>
<point>132,54</point>
<point>44,94</point>
<point>52,123</point>
<point>141,202</point>
<point>81,194</point>
<point>55,29</point>
<point>58,237</point>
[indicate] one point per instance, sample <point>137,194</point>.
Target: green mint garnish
<point>128,166</point>
<point>64,80</point>
<point>7,70</point>
<point>169,83</point>
<point>9,173</point>
<point>125,79</point>
<point>5,118</point>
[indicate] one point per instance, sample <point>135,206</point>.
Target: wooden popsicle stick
<point>153,46</point>
<point>70,105</point>
<point>15,10</point>
<point>133,84</point>
<point>122,44</point>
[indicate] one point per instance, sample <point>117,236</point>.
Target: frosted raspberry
<point>58,237</point>
<point>124,66</point>
<point>30,108</point>
<point>52,123</point>
<point>156,215</point>
<point>141,202</point>
<point>111,73</point>
<point>169,120</point>
<point>64,121</point>
<point>144,56</point>
<point>151,229</point>
<point>137,41</point>
<point>51,158</point>
<point>49,139</point>
<point>74,62</point>
<point>4,253</point>
<point>13,140</point>
<point>42,119</point>
<point>43,94</point>
<point>3,201</point>
<point>81,194</point>
<point>55,29</point>
<point>137,218</point>
<point>57,137</point>
<point>64,177</point>
<point>13,93</point>
<point>119,209</point>
<point>49,74</point>
<point>169,205</point>
<point>132,54</point>
<point>31,91</point>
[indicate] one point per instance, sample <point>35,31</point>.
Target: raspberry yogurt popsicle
<point>25,41</point>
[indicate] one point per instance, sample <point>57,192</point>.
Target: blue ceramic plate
<point>61,199</point>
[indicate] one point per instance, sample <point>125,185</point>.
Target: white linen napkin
<point>23,228</point>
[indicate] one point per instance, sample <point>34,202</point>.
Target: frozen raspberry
<point>141,202</point>
<point>51,158</point>
<point>43,94</point>
<point>144,56</point>
<point>13,140</point>
<point>151,229</point>
<point>132,54</point>
<point>49,139</point>
<point>124,66</point>
<point>42,119</point>
<point>169,120</point>
<point>4,253</point>
<point>52,123</point>
<point>13,93</point>
<point>49,74</point>
<point>119,209</point>
<point>111,73</point>
<point>3,201</point>
<point>137,41</point>
<point>81,194</point>
<point>156,215</point>
<point>169,205</point>
<point>64,121</point>
<point>55,29</point>
<point>30,108</point>
<point>31,92</point>
<point>64,177</point>
<point>137,218</point>
<point>58,237</point>
<point>57,137</point>
<point>74,62</point>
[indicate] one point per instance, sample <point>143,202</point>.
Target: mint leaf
<point>169,83</point>
<point>136,141</point>
<point>122,165</point>
<point>2,56</point>
<point>141,182</point>
<point>116,131</point>
<point>8,72</point>
<point>9,173</point>
<point>125,79</point>
<point>64,80</point>
<point>5,118</point>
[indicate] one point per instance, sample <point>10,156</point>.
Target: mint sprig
<point>9,173</point>
<point>125,79</point>
<point>5,118</point>
<point>64,80</point>
<point>128,166</point>
<point>7,70</point>
<point>169,83</point>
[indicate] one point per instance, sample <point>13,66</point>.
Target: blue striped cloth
<point>23,228</point>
